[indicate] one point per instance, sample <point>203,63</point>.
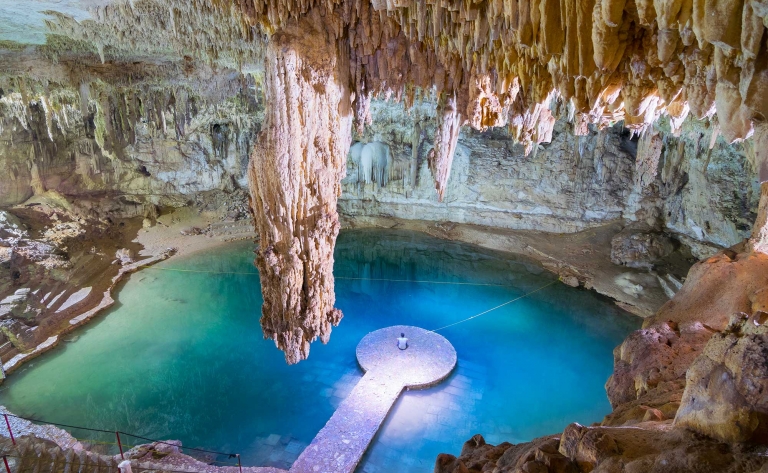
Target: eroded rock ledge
<point>688,390</point>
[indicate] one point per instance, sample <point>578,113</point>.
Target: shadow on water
<point>181,356</point>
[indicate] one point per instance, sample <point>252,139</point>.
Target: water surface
<point>181,355</point>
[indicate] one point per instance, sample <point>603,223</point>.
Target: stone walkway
<point>22,427</point>
<point>340,445</point>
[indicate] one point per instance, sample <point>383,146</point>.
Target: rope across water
<point>497,307</point>
<point>392,280</point>
<point>343,278</point>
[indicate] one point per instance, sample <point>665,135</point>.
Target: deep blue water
<point>181,356</point>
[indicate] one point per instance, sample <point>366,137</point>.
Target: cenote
<point>181,356</point>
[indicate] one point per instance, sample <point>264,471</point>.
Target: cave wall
<point>117,148</point>
<point>706,196</point>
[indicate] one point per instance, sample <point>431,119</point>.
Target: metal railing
<point>60,464</point>
<point>112,442</point>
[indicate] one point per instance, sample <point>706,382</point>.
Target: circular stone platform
<point>429,359</point>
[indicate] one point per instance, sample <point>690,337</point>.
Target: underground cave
<point>373,236</point>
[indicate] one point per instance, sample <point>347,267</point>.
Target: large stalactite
<point>295,173</point>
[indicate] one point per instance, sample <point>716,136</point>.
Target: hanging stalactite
<point>295,174</point>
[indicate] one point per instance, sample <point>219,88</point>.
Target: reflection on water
<point>182,356</point>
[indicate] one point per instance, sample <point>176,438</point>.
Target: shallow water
<point>181,356</point>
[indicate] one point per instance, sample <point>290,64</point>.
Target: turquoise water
<point>181,355</point>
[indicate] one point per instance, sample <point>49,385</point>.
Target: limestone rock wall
<point>564,186</point>
<point>725,388</point>
<point>581,449</point>
<point>184,142</point>
<point>139,145</point>
<point>701,188</point>
<point>706,195</point>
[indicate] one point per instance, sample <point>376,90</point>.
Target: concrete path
<point>340,445</point>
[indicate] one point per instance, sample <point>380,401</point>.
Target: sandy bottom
<point>166,233</point>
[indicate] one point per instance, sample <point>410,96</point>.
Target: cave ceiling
<point>513,63</point>
<point>24,22</point>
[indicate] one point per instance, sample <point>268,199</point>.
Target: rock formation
<point>446,136</point>
<point>718,287</point>
<point>656,357</point>
<point>700,198</point>
<point>295,174</point>
<point>540,69</point>
<point>582,449</point>
<point>640,249</point>
<point>605,60</point>
<point>82,129</point>
<point>725,393</point>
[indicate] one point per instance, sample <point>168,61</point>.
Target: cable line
<point>342,278</point>
<point>497,307</point>
<point>393,280</point>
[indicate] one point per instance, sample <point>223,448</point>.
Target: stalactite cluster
<point>81,128</point>
<point>523,63</point>
<point>515,63</point>
<point>163,29</point>
<point>108,110</point>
